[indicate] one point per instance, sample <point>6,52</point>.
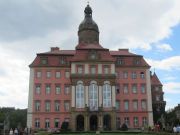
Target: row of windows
<point>136,121</point>
<point>49,74</point>
<point>48,89</point>
<point>119,122</point>
<point>93,69</point>
<point>133,75</point>
<point>134,88</point>
<point>62,60</point>
<point>93,95</point>
<point>134,104</point>
<point>121,61</point>
<point>47,107</point>
<point>56,122</point>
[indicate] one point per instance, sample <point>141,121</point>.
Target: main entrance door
<point>80,123</point>
<point>93,123</point>
<point>107,122</point>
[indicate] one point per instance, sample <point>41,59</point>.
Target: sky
<point>27,27</point>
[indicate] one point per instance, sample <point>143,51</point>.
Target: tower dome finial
<point>88,30</point>
<point>88,11</point>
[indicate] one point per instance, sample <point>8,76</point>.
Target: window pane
<point>143,88</point>
<point>48,89</point>
<point>117,105</point>
<point>38,74</point>
<point>67,74</point>
<point>135,105</point>
<point>93,98</point>
<point>134,88</point>
<point>125,88</point>
<point>106,95</point>
<point>125,75</point>
<point>58,74</point>
<point>38,89</point>
<point>58,89</point>
<point>48,74</point>
<point>126,105</point>
<point>79,96</point>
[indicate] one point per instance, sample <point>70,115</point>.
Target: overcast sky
<point>150,28</point>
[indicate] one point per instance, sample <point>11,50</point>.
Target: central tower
<point>88,32</point>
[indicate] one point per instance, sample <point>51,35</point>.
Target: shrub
<point>124,127</point>
<point>64,126</point>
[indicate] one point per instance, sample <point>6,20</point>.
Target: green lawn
<point>43,133</point>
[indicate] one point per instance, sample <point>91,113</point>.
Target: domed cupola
<point>88,30</point>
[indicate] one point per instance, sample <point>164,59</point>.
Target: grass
<point>110,133</point>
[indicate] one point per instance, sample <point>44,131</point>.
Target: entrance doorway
<point>107,122</point>
<point>93,123</point>
<point>80,123</point>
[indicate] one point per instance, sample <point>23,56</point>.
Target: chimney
<point>125,50</point>
<point>53,49</point>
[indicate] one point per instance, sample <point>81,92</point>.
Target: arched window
<point>93,96</point>
<point>80,95</point>
<point>106,95</point>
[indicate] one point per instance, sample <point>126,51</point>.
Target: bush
<point>124,127</point>
<point>64,126</point>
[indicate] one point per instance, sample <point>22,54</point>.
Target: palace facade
<point>91,87</point>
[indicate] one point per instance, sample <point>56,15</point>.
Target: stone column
<point>86,69</point>
<point>113,96</point>
<point>86,96</point>
<point>86,122</point>
<point>72,123</point>
<point>99,68</point>
<point>149,98</point>
<point>112,69</point>
<point>100,122</point>
<point>100,96</point>
<point>30,99</point>
<point>113,119</point>
<point>73,96</point>
<point>73,68</point>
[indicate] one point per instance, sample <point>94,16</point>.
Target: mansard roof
<point>82,55</point>
<point>155,80</point>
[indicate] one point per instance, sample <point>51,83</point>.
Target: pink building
<point>90,87</point>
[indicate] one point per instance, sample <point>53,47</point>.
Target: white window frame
<point>80,95</point>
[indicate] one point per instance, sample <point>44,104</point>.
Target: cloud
<point>171,63</point>
<point>33,18</point>
<point>164,47</point>
<point>172,87</point>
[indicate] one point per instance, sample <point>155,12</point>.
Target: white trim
<point>73,68</point>
<point>73,96</point>
<point>99,68</point>
<point>100,96</point>
<point>30,98</point>
<point>112,69</point>
<point>113,96</point>
<point>149,98</point>
<point>86,69</point>
<point>86,95</point>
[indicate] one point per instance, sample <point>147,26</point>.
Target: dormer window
<point>93,56</point>
<point>120,61</point>
<point>44,61</point>
<point>62,60</point>
<point>137,61</point>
